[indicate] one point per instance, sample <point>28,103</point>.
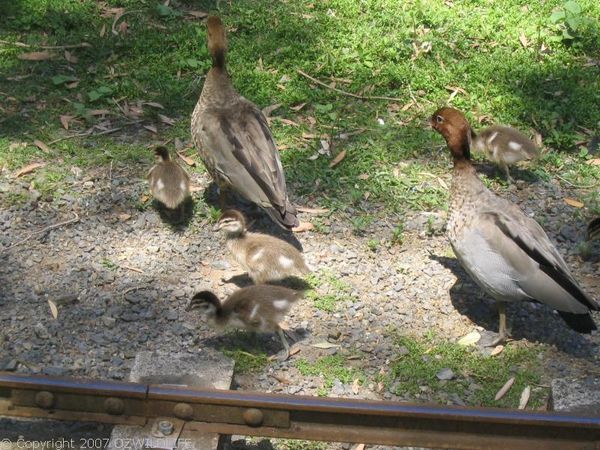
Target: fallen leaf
<point>338,159</point>
<point>287,121</point>
<point>308,136</point>
<point>281,378</point>
<point>594,162</point>
<point>267,110</point>
<point>298,107</point>
<point>304,226</point>
<point>189,161</point>
<point>53,309</point>
<point>504,389</point>
<point>524,397</point>
<point>64,120</point>
<point>151,128</point>
<point>28,169</point>
<point>103,30</point>
<point>312,210</point>
<point>197,14</point>
<point>324,150</point>
<point>313,157</point>
<point>124,217</point>
<point>43,147</point>
<point>70,57</point>
<point>123,26</point>
<point>154,105</point>
<point>470,339</point>
<point>324,345</point>
<point>98,112</point>
<point>72,85</point>
<point>363,176</point>
<point>356,386</point>
<point>36,56</point>
<point>497,350</point>
<point>144,198</point>
<point>574,203</point>
<point>523,40</point>
<point>407,106</point>
<point>166,120</point>
<point>442,183</point>
<point>294,350</point>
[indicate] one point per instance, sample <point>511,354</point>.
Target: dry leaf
<point>154,105</point>
<point>294,350</point>
<point>28,169</point>
<point>151,128</point>
<point>287,121</point>
<point>53,309</point>
<point>504,389</point>
<point>98,112</point>
<point>407,106</point>
<point>497,350</point>
<point>189,161</point>
<point>124,217</point>
<point>355,386</point>
<point>64,120</point>
<point>70,57</point>
<point>324,345</point>
<point>298,107</point>
<point>43,147</point>
<point>123,26</point>
<point>312,210</point>
<point>166,120</point>
<point>523,40</point>
<point>72,85</point>
<point>197,14</point>
<point>267,110</point>
<point>442,183</point>
<point>36,56</point>
<point>470,339</point>
<point>338,159</point>
<point>574,203</point>
<point>304,226</point>
<point>525,397</point>
<point>281,378</point>
<point>363,176</point>
<point>103,30</point>
<point>594,162</point>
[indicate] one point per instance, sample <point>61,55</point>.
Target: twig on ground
<point>134,269</point>
<point>43,230</point>
<point>578,186</point>
<point>87,133</point>
<point>349,94</point>
<point>46,47</point>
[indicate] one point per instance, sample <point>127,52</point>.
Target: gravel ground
<point>121,278</point>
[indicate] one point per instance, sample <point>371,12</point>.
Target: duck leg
<point>504,168</point>
<point>502,333</point>
<point>284,341</point>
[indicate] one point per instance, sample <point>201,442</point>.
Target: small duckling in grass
<point>169,183</point>
<point>257,308</point>
<point>264,257</point>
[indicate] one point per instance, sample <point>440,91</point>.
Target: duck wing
<point>245,155</point>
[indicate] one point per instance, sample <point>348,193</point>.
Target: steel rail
<point>292,416</point>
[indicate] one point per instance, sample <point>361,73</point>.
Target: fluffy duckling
<point>507,253</point>
<point>255,308</point>
<point>234,140</point>
<point>503,145</point>
<point>169,183</point>
<point>264,257</point>
<point>593,230</point>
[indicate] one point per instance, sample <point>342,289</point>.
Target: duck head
<point>207,303</point>
<point>232,222</point>
<point>217,41</point>
<point>454,127</point>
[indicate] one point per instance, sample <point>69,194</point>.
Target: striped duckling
<point>506,252</point>
<point>259,308</point>
<point>593,230</point>
<point>265,258</point>
<point>501,144</point>
<point>169,183</point>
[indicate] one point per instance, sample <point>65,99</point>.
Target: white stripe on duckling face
<point>160,185</point>
<point>258,255</point>
<point>280,304</point>
<point>514,145</point>
<point>286,262</point>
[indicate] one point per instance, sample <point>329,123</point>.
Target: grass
<point>246,351</point>
<point>328,369</point>
<point>327,290</point>
<point>416,52</point>
<point>477,377</point>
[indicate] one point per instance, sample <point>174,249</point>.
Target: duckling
<point>593,230</point>
<point>234,140</point>
<point>507,253</point>
<point>504,146</point>
<point>257,308</point>
<point>264,257</point>
<point>169,183</point>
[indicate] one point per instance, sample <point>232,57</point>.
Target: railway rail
<point>296,417</point>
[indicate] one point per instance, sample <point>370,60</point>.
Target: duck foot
<point>492,339</point>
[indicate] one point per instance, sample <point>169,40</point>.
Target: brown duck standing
<point>169,183</point>
<point>234,140</point>
<point>507,253</point>
<point>264,257</point>
<point>258,308</point>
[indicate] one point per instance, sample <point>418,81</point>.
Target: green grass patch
<point>327,290</point>
<point>330,368</point>
<point>477,378</point>
<point>246,350</point>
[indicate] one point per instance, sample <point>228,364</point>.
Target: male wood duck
<point>507,253</point>
<point>234,139</point>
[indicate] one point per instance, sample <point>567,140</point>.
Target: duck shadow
<point>492,171</point>
<point>526,320</point>
<point>257,220</point>
<point>295,283</point>
<point>176,218</point>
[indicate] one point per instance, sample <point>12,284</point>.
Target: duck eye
<point>439,119</point>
